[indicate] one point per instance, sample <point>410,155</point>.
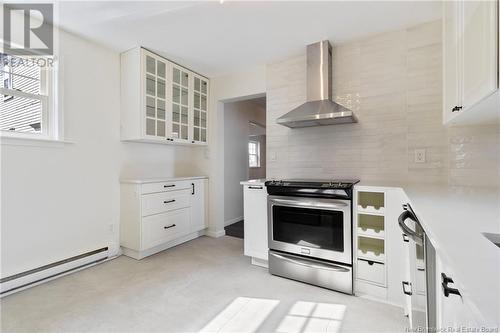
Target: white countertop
<point>158,179</point>
<point>454,219</point>
<point>253,182</point>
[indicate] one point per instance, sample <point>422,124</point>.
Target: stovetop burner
<point>320,188</point>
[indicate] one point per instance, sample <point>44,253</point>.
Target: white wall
<point>62,200</point>
<point>393,82</point>
<point>237,116</point>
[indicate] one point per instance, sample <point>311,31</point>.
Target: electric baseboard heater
<point>32,277</point>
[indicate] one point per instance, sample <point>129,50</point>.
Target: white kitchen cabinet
<point>180,105</point>
<point>255,223</point>
<point>200,109</point>
<point>199,192</point>
<point>452,310</point>
<point>470,61</point>
<point>379,266</point>
<point>162,102</point>
<point>156,215</point>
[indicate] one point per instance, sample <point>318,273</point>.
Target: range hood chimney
<point>320,109</point>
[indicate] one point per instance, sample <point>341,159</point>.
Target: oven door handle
<point>307,263</point>
<point>335,204</point>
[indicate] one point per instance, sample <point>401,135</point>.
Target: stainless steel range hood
<point>319,109</point>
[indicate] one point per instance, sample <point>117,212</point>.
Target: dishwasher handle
<point>410,233</point>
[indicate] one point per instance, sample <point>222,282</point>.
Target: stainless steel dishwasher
<point>421,287</point>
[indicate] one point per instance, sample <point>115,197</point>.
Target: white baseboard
<point>260,262</point>
<point>138,255</point>
<point>231,221</point>
<point>215,233</point>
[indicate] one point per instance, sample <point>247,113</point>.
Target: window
<point>26,96</point>
<point>254,154</point>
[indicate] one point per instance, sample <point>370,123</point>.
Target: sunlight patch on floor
<point>244,314</point>
<point>313,317</point>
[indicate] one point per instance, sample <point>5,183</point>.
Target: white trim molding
<point>215,233</point>
<point>232,221</point>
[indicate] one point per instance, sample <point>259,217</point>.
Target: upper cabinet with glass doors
<point>200,102</point>
<point>162,102</point>
<point>156,96</point>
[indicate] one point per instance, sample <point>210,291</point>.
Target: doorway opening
<point>244,156</point>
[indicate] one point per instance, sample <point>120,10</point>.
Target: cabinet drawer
<point>164,201</point>
<point>371,271</point>
<point>165,186</point>
<point>162,228</point>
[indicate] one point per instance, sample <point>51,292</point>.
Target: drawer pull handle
<point>169,226</point>
<point>448,290</point>
<point>407,288</point>
<point>255,187</point>
<point>166,186</point>
<point>169,201</point>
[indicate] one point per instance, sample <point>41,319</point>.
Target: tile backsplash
<point>393,83</point>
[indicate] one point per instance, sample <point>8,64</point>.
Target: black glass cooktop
<point>314,183</point>
<point>320,188</point>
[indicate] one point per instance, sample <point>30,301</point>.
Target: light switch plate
<point>419,155</point>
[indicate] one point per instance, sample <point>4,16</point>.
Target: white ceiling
<point>215,39</point>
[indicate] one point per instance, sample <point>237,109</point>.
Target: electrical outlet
<point>273,156</point>
<point>420,155</point>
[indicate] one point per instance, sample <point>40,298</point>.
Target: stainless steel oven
<point>318,228</point>
<point>310,232</point>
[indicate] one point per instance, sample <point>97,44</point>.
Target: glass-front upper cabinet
<point>180,104</point>
<point>200,102</point>
<point>161,102</point>
<point>156,96</point>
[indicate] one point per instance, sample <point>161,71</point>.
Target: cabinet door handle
<point>405,291</point>
<point>192,188</point>
<point>166,186</point>
<point>448,290</point>
<point>255,187</point>
<point>169,226</point>
<point>169,201</point>
<point>456,109</point>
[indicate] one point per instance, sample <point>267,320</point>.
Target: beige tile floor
<point>204,285</point>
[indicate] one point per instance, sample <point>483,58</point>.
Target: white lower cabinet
<point>159,215</point>
<point>371,271</point>
<point>452,309</point>
<point>199,207</point>
<point>255,220</point>
<point>162,228</point>
<point>379,265</point>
